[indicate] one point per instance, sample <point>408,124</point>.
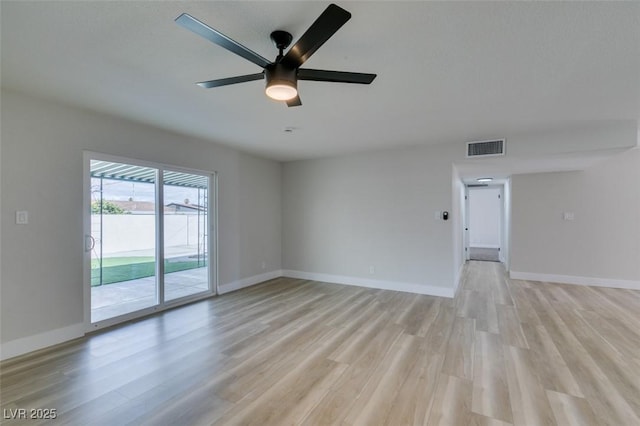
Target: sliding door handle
<point>89,243</point>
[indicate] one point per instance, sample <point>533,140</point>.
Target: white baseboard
<point>248,282</point>
<point>570,279</point>
<point>366,282</point>
<point>28,344</point>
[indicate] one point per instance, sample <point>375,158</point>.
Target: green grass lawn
<point>118,269</point>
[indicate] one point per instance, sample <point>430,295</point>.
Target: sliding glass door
<point>186,270</point>
<point>139,214</point>
<point>123,239</point>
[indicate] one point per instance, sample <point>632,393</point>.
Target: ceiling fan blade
<point>318,33</point>
<point>335,76</point>
<point>294,102</point>
<point>230,80</point>
<point>192,24</point>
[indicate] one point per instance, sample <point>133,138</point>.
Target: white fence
<point>130,232</point>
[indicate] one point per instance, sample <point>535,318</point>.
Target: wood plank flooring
<point>294,352</point>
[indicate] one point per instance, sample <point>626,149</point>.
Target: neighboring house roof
<point>137,206</point>
<point>186,208</point>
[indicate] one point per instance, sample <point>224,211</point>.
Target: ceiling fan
<point>282,75</point>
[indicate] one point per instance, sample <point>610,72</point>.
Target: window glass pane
<point>123,230</point>
<point>186,205</point>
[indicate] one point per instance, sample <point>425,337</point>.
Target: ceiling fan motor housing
<point>278,74</point>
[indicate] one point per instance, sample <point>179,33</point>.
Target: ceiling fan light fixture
<point>282,84</point>
<point>281,92</point>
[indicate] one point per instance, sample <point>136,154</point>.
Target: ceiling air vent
<point>485,148</point>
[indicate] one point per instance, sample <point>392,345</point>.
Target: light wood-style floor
<point>298,352</point>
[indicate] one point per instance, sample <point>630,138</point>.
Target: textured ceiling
<point>447,71</point>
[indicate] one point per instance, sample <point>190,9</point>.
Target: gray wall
<point>505,253</point>
<point>343,215</point>
<point>603,240</point>
<point>41,169</point>
<point>458,219</point>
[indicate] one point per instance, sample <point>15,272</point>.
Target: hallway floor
<point>484,254</point>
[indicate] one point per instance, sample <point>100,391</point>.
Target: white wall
<point>129,232</point>
<point>42,172</point>
<point>601,245</point>
<point>344,215</point>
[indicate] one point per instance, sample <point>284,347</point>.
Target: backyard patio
<point>121,298</point>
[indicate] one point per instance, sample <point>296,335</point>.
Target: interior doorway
<point>484,223</point>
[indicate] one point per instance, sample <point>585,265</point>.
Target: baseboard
<point>248,282</point>
<point>28,344</point>
<point>366,282</point>
<point>571,279</point>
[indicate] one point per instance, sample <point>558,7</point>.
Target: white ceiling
<point>447,71</point>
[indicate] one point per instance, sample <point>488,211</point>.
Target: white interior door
<point>484,217</point>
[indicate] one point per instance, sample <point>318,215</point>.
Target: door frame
<point>212,243</point>
<point>467,218</point>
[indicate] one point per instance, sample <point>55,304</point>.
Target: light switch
<point>568,216</point>
<point>436,215</point>
<point>22,217</point>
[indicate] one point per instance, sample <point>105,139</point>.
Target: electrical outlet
<point>22,217</point>
<point>263,265</point>
<point>372,269</point>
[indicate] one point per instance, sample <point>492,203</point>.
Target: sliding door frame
<point>212,238</point>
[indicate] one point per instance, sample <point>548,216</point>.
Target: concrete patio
<point>116,299</point>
